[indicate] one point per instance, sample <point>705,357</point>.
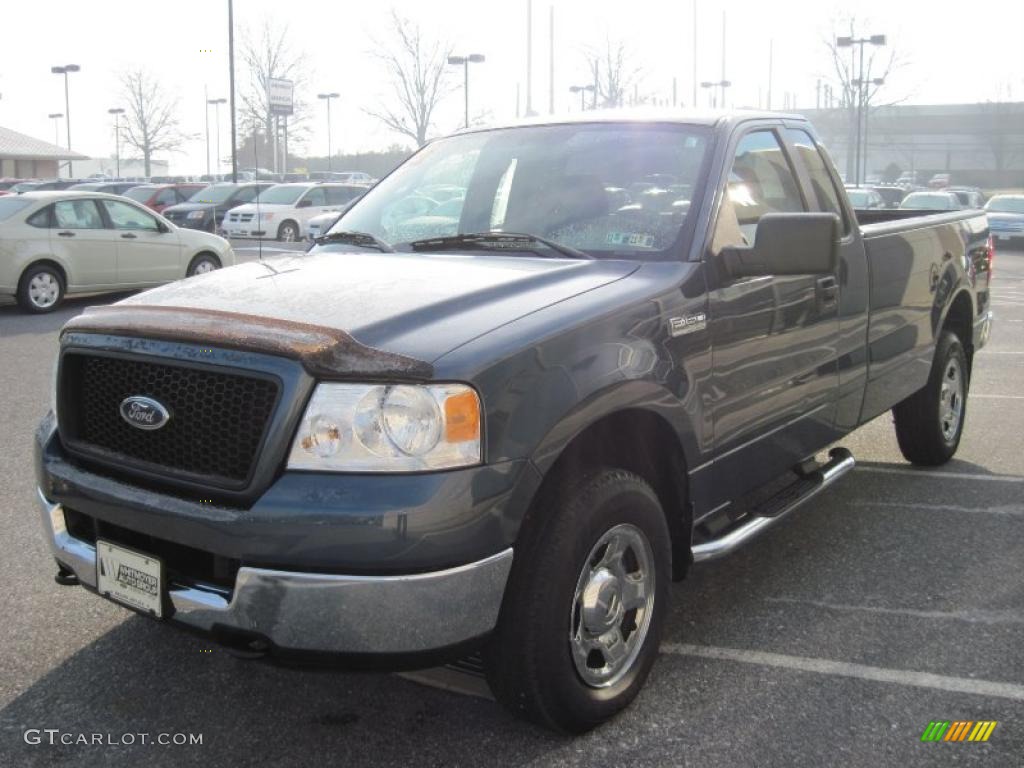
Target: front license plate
<point>129,577</point>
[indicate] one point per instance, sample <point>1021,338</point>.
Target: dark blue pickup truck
<point>522,385</point>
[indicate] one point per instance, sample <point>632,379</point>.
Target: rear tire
<point>930,422</point>
<point>41,289</point>
<point>582,616</point>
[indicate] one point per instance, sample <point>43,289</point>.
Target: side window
<point>760,181</point>
<point>77,214</point>
<point>166,197</point>
<point>316,196</point>
<point>824,188</point>
<point>125,216</point>
<point>42,219</point>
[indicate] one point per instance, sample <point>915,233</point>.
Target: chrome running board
<point>774,509</point>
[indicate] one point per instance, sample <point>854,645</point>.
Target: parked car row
<point>902,196</point>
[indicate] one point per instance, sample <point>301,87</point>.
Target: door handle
<point>827,289</point>
<point>65,234</point>
<point>128,236</point>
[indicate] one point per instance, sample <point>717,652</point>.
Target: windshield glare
<point>605,189</point>
<point>281,195</point>
<point>1006,205</point>
<point>212,194</point>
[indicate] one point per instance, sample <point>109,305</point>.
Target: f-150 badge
<point>680,326</point>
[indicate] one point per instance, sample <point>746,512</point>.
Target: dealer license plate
<point>129,577</point>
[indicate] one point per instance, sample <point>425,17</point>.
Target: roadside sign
<point>281,93</point>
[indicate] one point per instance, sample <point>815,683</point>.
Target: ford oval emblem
<point>144,412</point>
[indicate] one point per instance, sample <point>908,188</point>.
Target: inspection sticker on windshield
<point>129,577</point>
<point>635,239</point>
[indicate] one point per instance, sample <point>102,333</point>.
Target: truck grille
<point>217,423</point>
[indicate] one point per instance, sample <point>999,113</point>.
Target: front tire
<point>41,289</point>
<point>288,232</point>
<point>930,422</point>
<point>201,264</point>
<point>581,620</point>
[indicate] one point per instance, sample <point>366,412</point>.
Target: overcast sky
<point>952,52</point>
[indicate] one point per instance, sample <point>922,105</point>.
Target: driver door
<point>146,251</point>
<point>774,337</point>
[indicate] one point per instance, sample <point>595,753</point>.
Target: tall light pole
<point>65,70</point>
<point>464,62</point>
<point>231,90</point>
<point>327,97</point>
<point>860,42</point>
<point>216,126</point>
<point>56,116</point>
<point>117,112</point>
<point>723,84</point>
<point>876,81</point>
<point>582,90</point>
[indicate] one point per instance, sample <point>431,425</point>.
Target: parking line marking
<point>1006,509</point>
<point>999,352</point>
<point>946,475</point>
<point>969,616</point>
<point>906,677</point>
<point>997,397</point>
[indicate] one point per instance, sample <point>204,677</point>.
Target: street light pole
<point>867,114</point>
<point>65,70</point>
<point>723,84</point>
<point>117,112</point>
<point>216,112</point>
<point>582,90</point>
<point>860,42</point>
<point>327,97</point>
<point>56,116</point>
<point>465,61</point>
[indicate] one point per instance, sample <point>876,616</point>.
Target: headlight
<point>388,428</point>
<point>266,216</point>
<point>196,215</point>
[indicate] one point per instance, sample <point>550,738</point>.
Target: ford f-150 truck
<point>506,423</point>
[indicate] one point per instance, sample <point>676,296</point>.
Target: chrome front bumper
<point>322,612</point>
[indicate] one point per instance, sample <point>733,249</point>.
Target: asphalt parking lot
<point>895,599</point>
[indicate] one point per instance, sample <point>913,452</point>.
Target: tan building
<point>23,157</point>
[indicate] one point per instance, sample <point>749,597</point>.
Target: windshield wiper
<point>497,241</point>
<point>364,239</point>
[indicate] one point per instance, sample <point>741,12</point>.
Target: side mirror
<point>304,203</point>
<point>162,228</point>
<point>787,244</point>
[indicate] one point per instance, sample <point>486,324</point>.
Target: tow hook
<point>65,578</point>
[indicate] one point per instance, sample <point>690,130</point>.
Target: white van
<point>281,212</point>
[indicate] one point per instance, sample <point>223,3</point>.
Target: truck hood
<point>416,305</point>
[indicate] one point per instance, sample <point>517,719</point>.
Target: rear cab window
<point>811,156</point>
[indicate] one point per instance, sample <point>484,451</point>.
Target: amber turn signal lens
<point>462,417</point>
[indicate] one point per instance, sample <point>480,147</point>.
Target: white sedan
<point>56,243</point>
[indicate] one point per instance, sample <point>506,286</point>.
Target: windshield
<point>281,195</point>
<point>140,194</point>
<point>24,186</point>
<point>607,189</point>
<point>11,205</point>
<point>1006,205</point>
<point>215,193</point>
<point>858,197</point>
<point>929,202</point>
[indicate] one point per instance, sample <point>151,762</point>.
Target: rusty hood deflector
<point>322,351</point>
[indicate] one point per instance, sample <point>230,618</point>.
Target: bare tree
<point>269,55</point>
<point>417,67</point>
<point>612,71</point>
<point>151,123</point>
